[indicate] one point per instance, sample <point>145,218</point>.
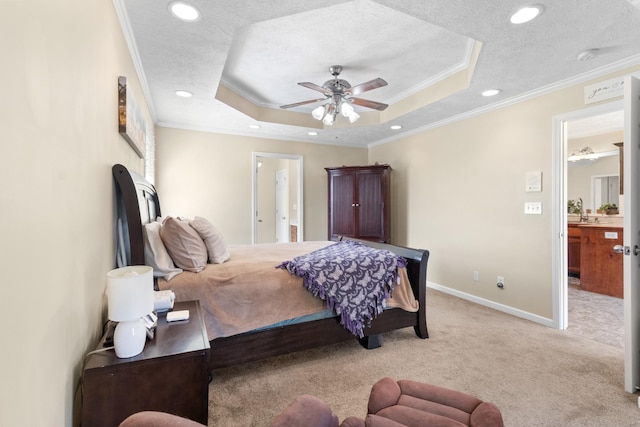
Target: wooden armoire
<point>359,202</point>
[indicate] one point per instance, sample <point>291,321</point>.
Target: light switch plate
<point>533,208</point>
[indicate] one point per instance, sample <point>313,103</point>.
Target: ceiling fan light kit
<point>339,95</point>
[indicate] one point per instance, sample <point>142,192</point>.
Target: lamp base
<point>129,338</point>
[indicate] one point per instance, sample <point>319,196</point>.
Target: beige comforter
<point>248,291</point>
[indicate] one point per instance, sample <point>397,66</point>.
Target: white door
<point>282,206</point>
<point>631,234</point>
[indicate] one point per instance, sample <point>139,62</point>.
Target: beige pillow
<point>213,240</point>
<point>155,253</point>
<point>184,244</point>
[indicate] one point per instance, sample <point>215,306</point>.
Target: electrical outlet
<point>476,276</point>
<point>500,282</point>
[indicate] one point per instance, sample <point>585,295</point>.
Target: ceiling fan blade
<point>369,104</point>
<point>297,104</point>
<point>363,87</point>
<point>316,87</point>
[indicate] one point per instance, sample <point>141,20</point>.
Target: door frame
<point>559,264</point>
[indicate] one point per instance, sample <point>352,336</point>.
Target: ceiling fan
<point>340,95</point>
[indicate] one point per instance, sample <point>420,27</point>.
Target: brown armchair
<point>307,411</point>
<point>391,404</point>
<point>412,403</point>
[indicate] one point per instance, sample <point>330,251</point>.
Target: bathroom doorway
<point>588,131</point>
<point>581,128</point>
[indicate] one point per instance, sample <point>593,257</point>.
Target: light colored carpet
<point>536,375</point>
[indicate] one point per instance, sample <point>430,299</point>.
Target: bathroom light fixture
<point>491,92</point>
<point>312,133</point>
<point>184,11</point>
<point>526,14</point>
<point>586,156</point>
<point>184,93</point>
<point>396,127</point>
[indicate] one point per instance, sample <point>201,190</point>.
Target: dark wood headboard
<point>137,204</point>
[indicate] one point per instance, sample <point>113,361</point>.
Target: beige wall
<point>209,175</point>
<point>58,116</point>
<point>459,191</point>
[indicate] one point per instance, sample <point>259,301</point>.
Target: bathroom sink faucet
<point>583,217</point>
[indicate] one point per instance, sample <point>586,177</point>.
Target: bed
<point>137,204</point>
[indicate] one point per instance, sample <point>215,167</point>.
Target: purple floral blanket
<point>355,280</point>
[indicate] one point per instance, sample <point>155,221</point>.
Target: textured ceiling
<point>258,51</point>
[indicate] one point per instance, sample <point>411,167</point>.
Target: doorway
<point>560,198</point>
<point>277,207</point>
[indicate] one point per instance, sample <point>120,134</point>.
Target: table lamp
<point>130,296</point>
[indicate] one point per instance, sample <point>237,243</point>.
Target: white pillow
<point>213,240</point>
<point>155,253</point>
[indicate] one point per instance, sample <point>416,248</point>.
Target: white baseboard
<point>492,304</point>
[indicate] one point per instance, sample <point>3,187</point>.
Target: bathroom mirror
<point>277,198</point>
<point>593,182</point>
<point>605,189</point>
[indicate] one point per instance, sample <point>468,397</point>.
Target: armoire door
<point>342,221</point>
<point>370,207</point>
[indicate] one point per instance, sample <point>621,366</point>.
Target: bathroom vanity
<point>600,267</point>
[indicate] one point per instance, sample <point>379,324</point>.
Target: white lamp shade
<point>330,115</point>
<point>318,113</point>
<point>328,119</point>
<point>130,292</point>
<point>346,109</point>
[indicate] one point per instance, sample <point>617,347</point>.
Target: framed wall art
<point>131,122</point>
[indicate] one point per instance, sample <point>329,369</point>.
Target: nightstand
<point>170,375</point>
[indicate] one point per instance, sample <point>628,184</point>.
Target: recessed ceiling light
<point>491,92</point>
<point>184,93</point>
<point>254,126</point>
<point>313,133</point>
<point>184,11</point>
<point>396,127</point>
<point>526,14</point>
